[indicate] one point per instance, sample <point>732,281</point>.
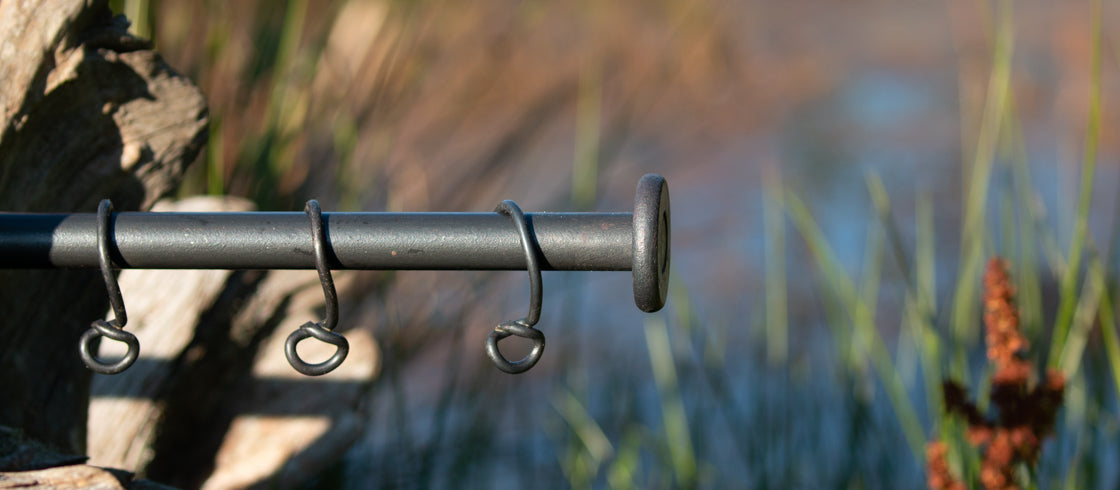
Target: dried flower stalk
<point>1025,415</point>
<point>938,476</point>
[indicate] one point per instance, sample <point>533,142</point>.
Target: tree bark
<point>87,112</point>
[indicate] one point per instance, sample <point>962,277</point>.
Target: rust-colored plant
<point>938,475</point>
<point>1024,415</point>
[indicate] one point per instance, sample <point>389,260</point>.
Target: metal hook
<point>524,327</point>
<point>323,330</point>
<point>113,329</point>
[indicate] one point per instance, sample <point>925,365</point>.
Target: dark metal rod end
<point>651,243</point>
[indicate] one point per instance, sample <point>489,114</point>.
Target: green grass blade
<point>964,320</point>
<point>673,415</point>
<point>1068,292</point>
<point>868,292</point>
<point>872,268</point>
<point>925,248</point>
<point>860,316</point>
<point>920,278</point>
<point>215,159</point>
<point>1111,341</point>
<point>139,14</point>
<point>585,165</point>
<point>1007,236</point>
<point>624,469</point>
<point>597,448</point>
<point>1027,282</point>
<point>1082,322</point>
<point>777,319</point>
<point>926,303</point>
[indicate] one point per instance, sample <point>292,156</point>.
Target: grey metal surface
<point>112,329</point>
<point>651,243</point>
<point>638,241</point>
<point>390,241</point>
<point>522,327</point>
<point>322,331</point>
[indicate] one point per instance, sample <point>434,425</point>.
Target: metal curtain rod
<point>638,242</point>
<point>272,240</point>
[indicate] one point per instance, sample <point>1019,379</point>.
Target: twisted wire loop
<point>324,330</point>
<point>113,329</point>
<point>524,327</point>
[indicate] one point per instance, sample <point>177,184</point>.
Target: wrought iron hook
<point>324,330</point>
<point>113,329</point>
<point>523,327</point>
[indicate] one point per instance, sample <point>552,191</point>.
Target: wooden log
<point>289,427</point>
<point>87,111</point>
<point>165,308</point>
<point>18,453</point>
<point>76,476</point>
<point>212,400</point>
<point>28,464</point>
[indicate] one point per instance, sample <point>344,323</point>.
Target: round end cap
<point>651,243</point>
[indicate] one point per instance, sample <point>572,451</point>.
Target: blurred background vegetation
<point>840,172</point>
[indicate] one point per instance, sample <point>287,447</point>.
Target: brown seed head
<point>997,470</point>
<point>1025,413</point>
<point>1055,381</point>
<point>938,475</point>
<point>979,435</point>
<point>1001,318</point>
<point>1015,372</point>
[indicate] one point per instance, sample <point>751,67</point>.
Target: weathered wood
<point>212,400</point>
<point>25,463</point>
<point>165,307</point>
<point>18,453</point>
<point>76,476</point>
<point>288,427</point>
<point>86,112</point>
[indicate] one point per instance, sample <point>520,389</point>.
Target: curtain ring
<point>324,330</point>
<point>113,329</point>
<point>523,327</point>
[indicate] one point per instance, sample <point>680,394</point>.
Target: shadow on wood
<point>212,401</point>
<point>87,112</point>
